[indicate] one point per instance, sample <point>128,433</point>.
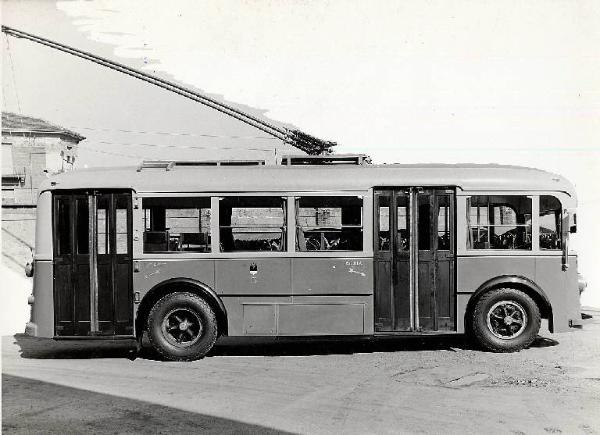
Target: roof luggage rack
<point>331,159</point>
<point>167,165</point>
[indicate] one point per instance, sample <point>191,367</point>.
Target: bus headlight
<point>581,282</point>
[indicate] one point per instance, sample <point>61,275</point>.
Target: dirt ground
<point>409,385</point>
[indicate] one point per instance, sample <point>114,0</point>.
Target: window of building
<point>329,223</point>
<point>7,158</point>
<point>252,223</point>
<point>179,224</point>
<point>550,222</point>
<point>499,222</point>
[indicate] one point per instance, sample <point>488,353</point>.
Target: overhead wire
<point>194,147</point>
<point>268,128</point>
<point>296,138</point>
<point>114,153</point>
<point>14,79</point>
<point>167,133</point>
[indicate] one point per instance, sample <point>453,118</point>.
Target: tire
<point>505,320</point>
<point>182,327</point>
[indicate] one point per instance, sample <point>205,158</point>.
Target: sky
<point>507,82</point>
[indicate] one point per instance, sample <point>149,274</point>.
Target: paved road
<point>386,386</point>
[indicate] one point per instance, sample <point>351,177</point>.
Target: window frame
<point>462,231</point>
<point>290,196</point>
<point>489,225</point>
<point>364,223</point>
<point>560,230</point>
<point>140,224</point>
<point>283,228</point>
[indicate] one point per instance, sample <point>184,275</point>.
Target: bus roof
<point>472,177</point>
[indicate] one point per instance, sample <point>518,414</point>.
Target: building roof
<point>18,125</point>
<point>312,178</point>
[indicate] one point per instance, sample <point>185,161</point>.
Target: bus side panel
<point>332,276</point>
<point>473,271</point>
<point>253,315</point>
<point>253,276</point>
<point>42,312</point>
<point>332,296</point>
<point>298,316</point>
<point>561,288</point>
<point>546,271</point>
<point>347,315</point>
<point>150,272</point>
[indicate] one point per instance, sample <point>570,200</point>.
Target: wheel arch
<point>517,282</point>
<point>175,285</point>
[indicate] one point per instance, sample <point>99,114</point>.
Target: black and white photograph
<point>300,217</point>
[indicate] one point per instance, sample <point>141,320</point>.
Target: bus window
<point>329,223</point>
<point>179,224</point>
<point>252,223</point>
<point>550,222</point>
<point>499,222</point>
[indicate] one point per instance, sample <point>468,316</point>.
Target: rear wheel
<point>182,327</point>
<point>505,320</point>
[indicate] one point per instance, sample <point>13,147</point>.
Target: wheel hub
<point>507,319</point>
<point>182,327</point>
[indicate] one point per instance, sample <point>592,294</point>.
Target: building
<point>32,149</point>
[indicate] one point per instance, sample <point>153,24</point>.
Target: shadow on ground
<point>39,348</point>
<point>26,408</point>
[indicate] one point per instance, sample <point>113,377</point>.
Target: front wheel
<point>182,327</point>
<point>505,320</point>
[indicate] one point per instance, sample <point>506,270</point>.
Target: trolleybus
<point>190,252</point>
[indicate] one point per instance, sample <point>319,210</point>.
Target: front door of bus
<point>414,259</point>
<point>93,264</point>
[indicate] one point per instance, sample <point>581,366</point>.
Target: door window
<point>122,224</point>
<point>82,229</point>
<point>102,207</point>
<point>403,225</point>
<point>384,223</point>
<point>443,227</point>
<point>63,226</point>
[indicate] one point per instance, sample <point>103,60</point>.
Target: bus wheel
<point>505,320</point>
<point>182,327</point>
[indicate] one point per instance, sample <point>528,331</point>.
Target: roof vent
<point>331,159</point>
<point>168,165</point>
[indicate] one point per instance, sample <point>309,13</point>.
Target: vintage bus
<point>189,252</point>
